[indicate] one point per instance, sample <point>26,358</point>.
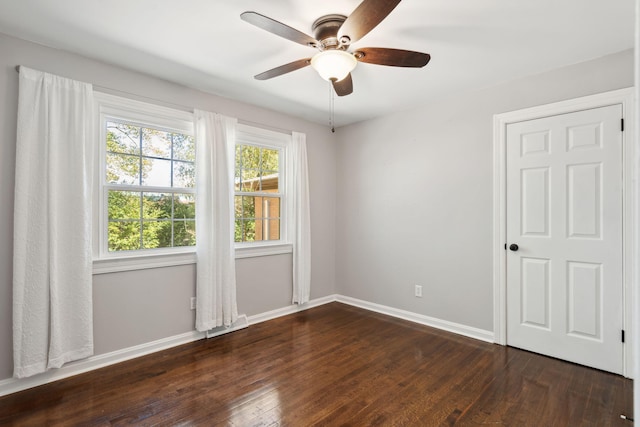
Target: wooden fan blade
<point>283,69</point>
<point>392,57</point>
<point>278,28</point>
<point>344,86</point>
<point>364,19</point>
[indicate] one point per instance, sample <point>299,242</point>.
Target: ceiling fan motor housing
<point>325,30</point>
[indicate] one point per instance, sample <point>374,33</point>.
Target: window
<point>147,179</point>
<point>145,188</point>
<point>260,184</point>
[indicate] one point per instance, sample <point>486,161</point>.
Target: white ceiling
<point>205,45</point>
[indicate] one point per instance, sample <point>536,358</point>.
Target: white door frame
<point>500,122</point>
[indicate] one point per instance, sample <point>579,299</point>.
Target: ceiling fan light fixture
<point>333,64</point>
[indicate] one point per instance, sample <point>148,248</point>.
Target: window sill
<point>142,262</point>
<point>256,250</point>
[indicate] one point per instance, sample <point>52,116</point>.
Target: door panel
<point>564,211</point>
<point>535,292</point>
<point>584,189</point>
<point>585,299</point>
<point>535,202</point>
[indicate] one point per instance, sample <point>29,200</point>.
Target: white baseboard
<point>13,385</point>
<point>294,308</point>
<point>445,325</point>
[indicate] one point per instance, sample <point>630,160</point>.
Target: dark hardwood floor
<point>333,365</point>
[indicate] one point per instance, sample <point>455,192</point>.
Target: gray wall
<point>415,199</point>
<point>136,307</point>
<point>414,204</point>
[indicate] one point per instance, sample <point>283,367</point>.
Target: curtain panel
<point>216,275</point>
<point>301,220</point>
<point>52,278</point>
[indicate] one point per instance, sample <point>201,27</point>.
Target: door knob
<point>513,247</point>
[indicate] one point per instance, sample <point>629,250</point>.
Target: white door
<point>564,213</point>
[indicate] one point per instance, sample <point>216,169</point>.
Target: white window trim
<point>141,262</point>
<point>263,250</point>
<point>118,108</point>
<point>251,135</point>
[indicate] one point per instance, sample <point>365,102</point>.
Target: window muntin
<point>149,186</point>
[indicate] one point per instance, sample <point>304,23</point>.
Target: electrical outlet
<point>193,303</point>
<point>418,291</point>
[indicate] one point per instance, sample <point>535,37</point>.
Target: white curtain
<point>301,220</point>
<point>216,273</point>
<point>52,280</point>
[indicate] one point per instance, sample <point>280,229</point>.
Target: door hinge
<point>622,335</point>
<point>622,125</point>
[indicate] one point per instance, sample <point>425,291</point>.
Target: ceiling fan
<point>333,36</point>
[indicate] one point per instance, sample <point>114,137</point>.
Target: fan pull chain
<point>332,100</point>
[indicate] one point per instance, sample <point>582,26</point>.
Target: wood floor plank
<point>333,365</point>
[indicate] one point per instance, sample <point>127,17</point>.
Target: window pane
<point>124,205</point>
<point>259,230</point>
<point>269,181</point>
<point>250,157</point>
<point>156,205</point>
<point>270,160</point>
<point>184,174</point>
<point>184,206</point>
<point>156,234</point>
<point>184,147</point>
<point>248,230</point>
<point>156,143</point>
<point>156,173</point>
<point>237,232</point>
<point>271,229</point>
<point>270,207</point>
<point>123,138</point>
<point>248,207</point>
<point>250,180</point>
<point>123,235</point>
<point>237,201</point>
<point>267,218</point>
<point>123,169</point>
<point>164,234</point>
<point>184,233</point>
